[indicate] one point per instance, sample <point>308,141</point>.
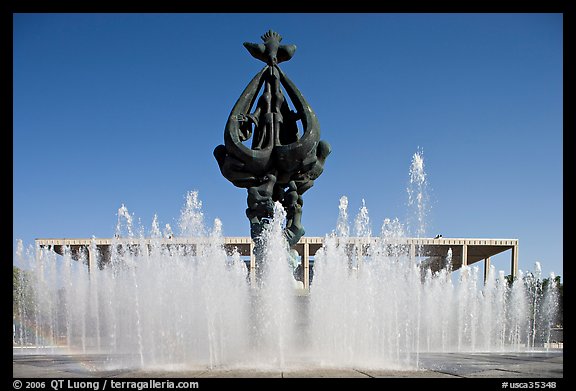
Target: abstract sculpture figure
<point>281,162</point>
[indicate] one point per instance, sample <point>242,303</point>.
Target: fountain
<point>152,305</point>
<point>169,310</point>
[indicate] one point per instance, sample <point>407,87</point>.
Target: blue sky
<point>113,109</point>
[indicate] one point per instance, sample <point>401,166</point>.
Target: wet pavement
<point>535,365</point>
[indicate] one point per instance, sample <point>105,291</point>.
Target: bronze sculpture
<point>281,162</point>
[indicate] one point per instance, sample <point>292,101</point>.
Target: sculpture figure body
<point>281,163</point>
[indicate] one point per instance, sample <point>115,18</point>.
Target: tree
<point>560,287</point>
<point>22,303</point>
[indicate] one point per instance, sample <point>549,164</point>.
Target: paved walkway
<point>535,365</point>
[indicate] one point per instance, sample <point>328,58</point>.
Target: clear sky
<point>113,109</point>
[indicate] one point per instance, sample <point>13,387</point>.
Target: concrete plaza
<point>536,365</point>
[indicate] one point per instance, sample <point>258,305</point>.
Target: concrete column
<point>412,252</point>
<point>486,269</point>
<point>464,255</point>
<point>359,254</point>
<point>91,257</point>
<point>38,252</point>
<point>252,265</point>
<point>514,262</point>
<point>306,264</point>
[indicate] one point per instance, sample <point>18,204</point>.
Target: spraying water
<point>418,202</point>
<point>192,306</point>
